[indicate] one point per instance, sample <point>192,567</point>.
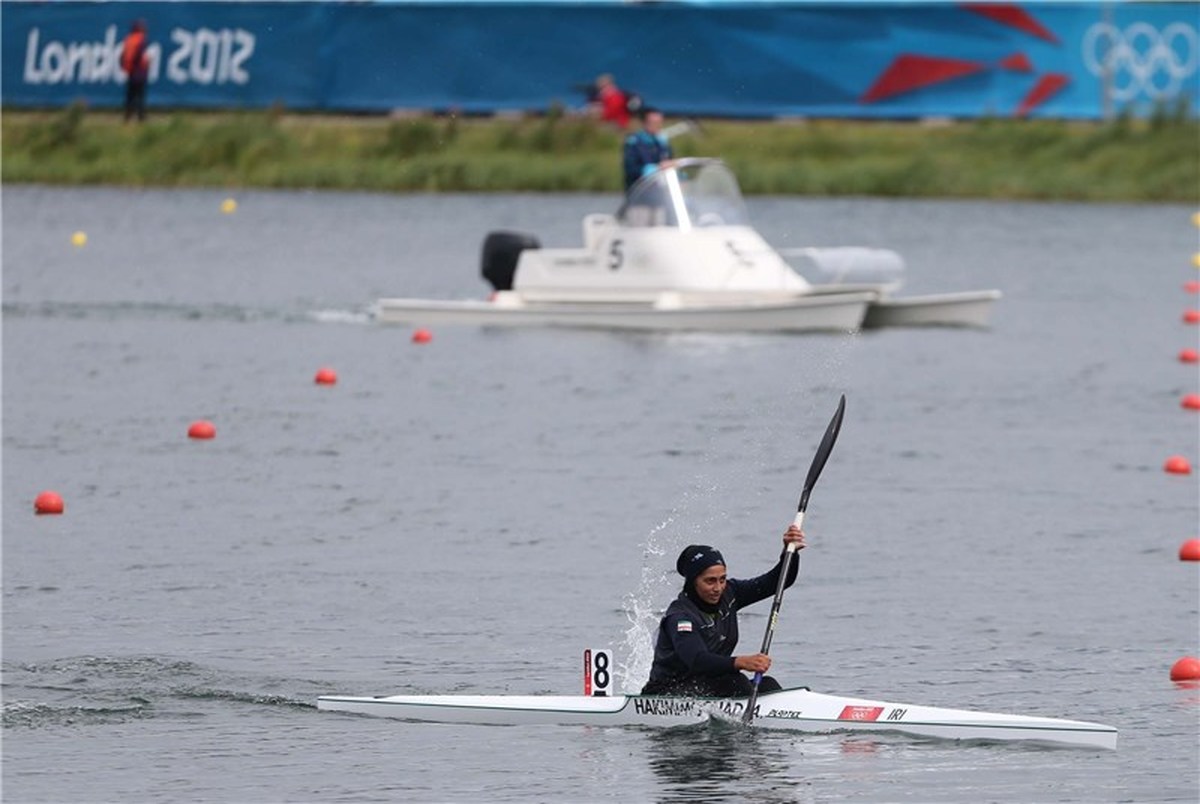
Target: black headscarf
<point>695,559</point>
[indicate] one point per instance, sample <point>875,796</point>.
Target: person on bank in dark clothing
<point>693,652</point>
<point>136,64</point>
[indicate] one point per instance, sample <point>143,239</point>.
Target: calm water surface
<point>993,531</point>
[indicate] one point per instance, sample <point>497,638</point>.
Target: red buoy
<point>1190,550</point>
<point>1192,287</point>
<point>1190,402</point>
<point>422,336</point>
<point>1178,465</point>
<point>1189,356</point>
<point>325,376</point>
<point>1186,669</point>
<point>48,502</point>
<point>1191,317</point>
<point>202,429</point>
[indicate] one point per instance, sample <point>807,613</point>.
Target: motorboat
<point>681,254</point>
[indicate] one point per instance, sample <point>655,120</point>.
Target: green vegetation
<point>1122,160</point>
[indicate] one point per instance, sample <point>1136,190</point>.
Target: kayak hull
<point>798,710</point>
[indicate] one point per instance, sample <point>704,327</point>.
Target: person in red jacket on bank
<point>612,103</point>
<point>136,64</point>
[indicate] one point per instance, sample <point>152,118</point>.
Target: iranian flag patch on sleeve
<point>684,626</point>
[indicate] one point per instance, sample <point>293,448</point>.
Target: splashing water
<point>640,608</point>
<point>659,584</point>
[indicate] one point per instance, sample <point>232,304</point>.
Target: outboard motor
<point>500,253</point>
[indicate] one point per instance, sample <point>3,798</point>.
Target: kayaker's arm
<point>763,587</point>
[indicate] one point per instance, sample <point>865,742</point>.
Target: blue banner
<point>863,60</point>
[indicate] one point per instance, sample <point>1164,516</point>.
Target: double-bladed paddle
<point>814,471</point>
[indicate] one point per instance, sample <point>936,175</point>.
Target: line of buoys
<point>48,502</point>
<point>1186,669</point>
<point>1190,550</point>
<point>202,430</point>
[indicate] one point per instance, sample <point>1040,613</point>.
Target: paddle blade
<point>826,447</point>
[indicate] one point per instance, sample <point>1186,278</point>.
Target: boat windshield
<point>693,193</point>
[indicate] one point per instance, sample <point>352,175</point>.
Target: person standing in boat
<point>647,149</point>
<point>693,652</point>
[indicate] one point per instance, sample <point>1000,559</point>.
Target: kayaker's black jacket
<point>693,643</point>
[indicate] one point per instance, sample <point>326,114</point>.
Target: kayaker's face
<point>710,584</point>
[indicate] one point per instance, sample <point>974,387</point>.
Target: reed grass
<point>1122,160</point>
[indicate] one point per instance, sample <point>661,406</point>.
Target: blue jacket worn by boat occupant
<point>643,152</point>
<point>694,648</point>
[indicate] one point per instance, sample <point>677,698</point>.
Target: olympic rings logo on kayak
<point>1141,58</point>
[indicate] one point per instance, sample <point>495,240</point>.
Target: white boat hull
<point>792,710</point>
<point>668,312</point>
<point>681,254</point>
<point>969,309</point>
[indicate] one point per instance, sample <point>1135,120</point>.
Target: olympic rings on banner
<point>1141,59</point>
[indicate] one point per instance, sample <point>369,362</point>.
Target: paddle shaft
<point>814,472</point>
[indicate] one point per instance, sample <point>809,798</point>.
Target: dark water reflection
<point>709,761</point>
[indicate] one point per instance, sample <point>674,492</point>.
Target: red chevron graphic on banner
<point>1014,16</point>
<point>1046,86</point>
<point>1017,63</point>
<point>908,72</point>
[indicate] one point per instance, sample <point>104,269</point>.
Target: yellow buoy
<point>1196,218</point>
<point>79,239</point>
<point>229,206</point>
<point>1196,259</point>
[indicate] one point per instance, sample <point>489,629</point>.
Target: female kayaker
<point>693,653</point>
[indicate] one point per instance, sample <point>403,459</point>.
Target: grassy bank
<point>1123,160</point>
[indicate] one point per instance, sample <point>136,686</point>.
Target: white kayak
<point>792,710</point>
